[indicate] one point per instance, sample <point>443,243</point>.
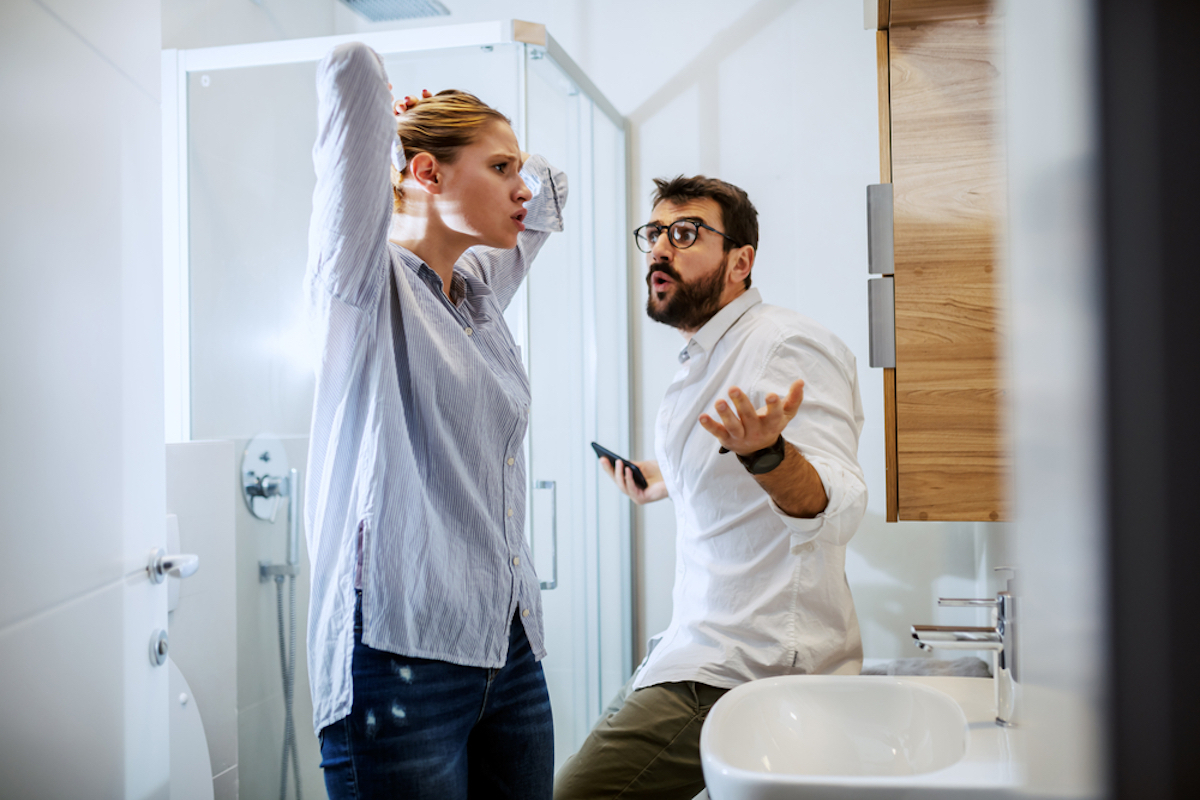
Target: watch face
<point>766,462</point>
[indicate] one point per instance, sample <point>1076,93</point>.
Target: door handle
<point>182,565</point>
<point>553,487</point>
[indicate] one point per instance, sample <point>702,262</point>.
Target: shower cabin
<point>239,125</point>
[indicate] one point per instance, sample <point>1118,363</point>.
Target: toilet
<point>191,769</point>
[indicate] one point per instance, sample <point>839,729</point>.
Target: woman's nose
<point>523,193</point>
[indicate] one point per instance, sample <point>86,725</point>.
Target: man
<point>766,487</point>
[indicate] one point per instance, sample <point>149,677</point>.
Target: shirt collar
<point>711,332</point>
<point>464,287</point>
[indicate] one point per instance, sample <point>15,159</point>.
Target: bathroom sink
<point>824,736</point>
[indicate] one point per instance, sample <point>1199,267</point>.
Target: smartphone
<point>602,452</point>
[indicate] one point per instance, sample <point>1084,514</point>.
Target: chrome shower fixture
<point>266,477</point>
<point>386,10</point>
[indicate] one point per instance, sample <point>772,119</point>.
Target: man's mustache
<point>665,269</point>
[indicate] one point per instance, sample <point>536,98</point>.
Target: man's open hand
<point>745,430</point>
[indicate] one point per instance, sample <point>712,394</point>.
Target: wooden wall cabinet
<point>941,148</point>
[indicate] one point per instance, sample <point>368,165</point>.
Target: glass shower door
<point>237,358</point>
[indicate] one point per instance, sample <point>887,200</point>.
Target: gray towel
<point>966,667</point>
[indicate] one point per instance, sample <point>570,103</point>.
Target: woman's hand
<point>622,476</point>
<point>408,102</point>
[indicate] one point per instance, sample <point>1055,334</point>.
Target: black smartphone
<point>613,458</point>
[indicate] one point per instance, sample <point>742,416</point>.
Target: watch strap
<point>761,461</point>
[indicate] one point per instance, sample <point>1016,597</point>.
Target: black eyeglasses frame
<point>637,238</point>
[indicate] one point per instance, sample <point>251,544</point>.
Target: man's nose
<point>662,250</point>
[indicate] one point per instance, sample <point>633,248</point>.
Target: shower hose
<point>287,661</point>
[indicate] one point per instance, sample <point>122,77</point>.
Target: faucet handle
<point>1009,578</point>
<point>968,601</point>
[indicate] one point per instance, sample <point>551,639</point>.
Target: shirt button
<point>512,461</point>
<point>510,512</point>
<point>525,613</point>
<point>469,332</point>
<point>516,561</point>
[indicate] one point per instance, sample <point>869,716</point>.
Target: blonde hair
<point>441,126</point>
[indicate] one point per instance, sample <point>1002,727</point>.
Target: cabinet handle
<point>881,311</point>
<point>880,240</point>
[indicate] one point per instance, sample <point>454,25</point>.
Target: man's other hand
<point>622,476</point>
<point>745,430</point>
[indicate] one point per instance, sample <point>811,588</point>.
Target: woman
<point>425,623</point>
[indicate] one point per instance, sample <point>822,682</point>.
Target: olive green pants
<point>647,747</point>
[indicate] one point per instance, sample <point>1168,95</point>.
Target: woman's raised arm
<point>351,202</point>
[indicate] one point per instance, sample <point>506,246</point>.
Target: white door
<point>83,712</point>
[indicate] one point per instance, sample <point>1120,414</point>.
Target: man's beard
<point>692,304</point>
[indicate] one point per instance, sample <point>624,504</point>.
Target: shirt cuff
<point>844,492</point>
<point>548,187</point>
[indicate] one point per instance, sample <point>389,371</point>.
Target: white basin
<point>824,736</point>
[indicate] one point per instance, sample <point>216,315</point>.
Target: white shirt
<point>759,593</point>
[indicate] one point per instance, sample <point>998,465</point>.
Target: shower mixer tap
<point>265,480</point>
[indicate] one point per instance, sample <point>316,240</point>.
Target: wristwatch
<point>760,462</point>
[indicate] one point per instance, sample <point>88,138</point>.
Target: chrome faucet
<point>999,638</point>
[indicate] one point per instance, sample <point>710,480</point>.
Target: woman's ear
<point>426,171</point>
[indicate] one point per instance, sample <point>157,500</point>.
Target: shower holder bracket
<point>268,571</point>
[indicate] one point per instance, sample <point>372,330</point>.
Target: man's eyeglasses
<point>681,233</point>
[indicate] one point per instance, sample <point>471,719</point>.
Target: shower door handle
<point>553,487</point>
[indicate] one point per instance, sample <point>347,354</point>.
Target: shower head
<point>386,10</point>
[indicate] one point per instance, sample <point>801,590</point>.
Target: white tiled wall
<point>260,686</point>
<point>201,481</point>
<point>81,488</point>
<point>225,635</point>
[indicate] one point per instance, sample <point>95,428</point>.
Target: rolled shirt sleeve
<point>825,430</point>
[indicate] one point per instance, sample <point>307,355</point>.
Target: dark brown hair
<point>739,217</point>
<point>441,126</point>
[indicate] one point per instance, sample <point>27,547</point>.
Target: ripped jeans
<point>430,729</point>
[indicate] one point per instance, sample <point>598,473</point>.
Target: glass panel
<point>559,343</point>
<point>609,289</point>
<point>250,187</point>
<point>489,73</point>
<point>250,134</point>
<point>250,183</point>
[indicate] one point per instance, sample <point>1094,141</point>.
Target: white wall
<point>260,686</point>
<point>1058,386</point>
<point>204,624</point>
<point>81,487</point>
<point>780,98</point>
<point>205,23</point>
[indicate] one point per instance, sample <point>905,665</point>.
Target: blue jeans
<point>429,729</point>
